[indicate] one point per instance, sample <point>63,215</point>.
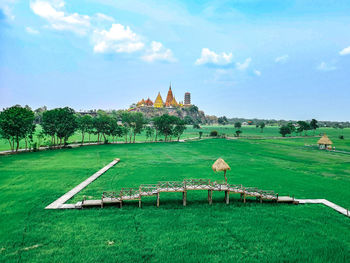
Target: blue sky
<point>239,58</point>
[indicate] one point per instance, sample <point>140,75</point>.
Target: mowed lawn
<point>250,232</point>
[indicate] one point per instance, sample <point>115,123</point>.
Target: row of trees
<point>17,123</point>
<point>300,128</point>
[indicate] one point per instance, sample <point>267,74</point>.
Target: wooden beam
<point>210,196</point>
<point>140,204</point>
<point>158,199</point>
<point>184,196</point>
<point>227,197</point>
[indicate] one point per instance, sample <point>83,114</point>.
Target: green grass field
<point>228,130</point>
<point>251,232</point>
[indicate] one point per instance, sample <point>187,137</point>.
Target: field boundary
<point>60,202</point>
<point>325,202</point>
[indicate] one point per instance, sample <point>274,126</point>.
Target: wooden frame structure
<point>184,186</point>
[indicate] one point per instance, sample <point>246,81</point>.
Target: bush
<point>214,133</point>
<point>341,137</point>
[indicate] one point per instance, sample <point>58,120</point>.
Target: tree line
<point>59,124</point>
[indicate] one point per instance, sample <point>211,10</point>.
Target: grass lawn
<point>228,130</point>
<point>251,232</point>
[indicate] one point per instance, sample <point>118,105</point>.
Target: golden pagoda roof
<point>158,103</point>
<point>141,102</point>
<point>148,102</point>
<point>174,103</point>
<point>325,140</point>
<point>169,97</point>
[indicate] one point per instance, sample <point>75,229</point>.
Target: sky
<point>241,58</point>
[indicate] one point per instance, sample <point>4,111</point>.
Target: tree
<point>196,126</point>
<point>222,120</point>
<point>164,125</point>
<point>115,130</point>
<point>138,122</point>
<point>149,132</point>
<point>66,124</point>
<point>284,130</point>
<point>314,125</point>
<point>84,125</point>
<point>238,132</point>
<point>238,125</point>
<point>262,126</point>
<point>179,128</point>
<point>200,134</point>
<point>16,123</point>
<point>102,126</point>
<point>188,120</point>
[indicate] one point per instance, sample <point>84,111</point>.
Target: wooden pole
<point>244,196</point>
<point>184,196</point>
<point>158,199</point>
<point>121,203</point>
<point>227,197</point>
<point>140,204</point>
<point>225,176</point>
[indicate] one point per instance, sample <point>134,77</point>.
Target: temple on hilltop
<point>170,101</point>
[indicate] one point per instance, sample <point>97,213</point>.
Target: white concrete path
<point>60,202</point>
<point>337,208</point>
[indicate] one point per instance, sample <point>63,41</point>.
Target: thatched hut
<point>324,142</point>
<point>221,165</point>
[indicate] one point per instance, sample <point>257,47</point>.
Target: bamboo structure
<point>144,190</point>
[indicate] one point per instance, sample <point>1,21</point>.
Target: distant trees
<point>17,123</point>
<point>238,125</point>
<point>314,125</point>
<point>85,125</point>
<point>60,124</point>
<point>222,120</point>
<point>169,126</point>
<point>284,130</point>
<point>262,126</point>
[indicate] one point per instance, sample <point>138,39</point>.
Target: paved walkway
<point>337,208</point>
<point>59,203</point>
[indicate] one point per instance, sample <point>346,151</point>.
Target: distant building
<point>325,142</point>
<point>169,103</point>
<point>187,99</point>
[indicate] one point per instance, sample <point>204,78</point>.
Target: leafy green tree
<point>262,126</point>
<point>222,120</point>
<point>164,125</point>
<point>188,120</point>
<point>284,130</point>
<point>149,132</point>
<point>49,124</point>
<point>314,125</point>
<point>115,130</point>
<point>66,124</point>
<point>138,123</point>
<point>102,126</point>
<point>179,128</point>
<point>238,125</point>
<point>16,123</point>
<point>200,134</point>
<point>196,126</point>
<point>84,125</point>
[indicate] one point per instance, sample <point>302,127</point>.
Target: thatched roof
<point>220,165</point>
<point>325,140</point>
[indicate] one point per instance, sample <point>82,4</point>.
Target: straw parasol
<point>221,165</point>
<point>324,140</point>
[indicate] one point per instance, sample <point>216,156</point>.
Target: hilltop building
<point>187,99</point>
<point>170,101</point>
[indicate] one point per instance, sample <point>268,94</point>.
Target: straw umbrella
<point>221,165</point>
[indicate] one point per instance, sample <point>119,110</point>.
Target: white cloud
<point>257,73</point>
<point>60,20</point>
<point>282,59</point>
<point>345,51</point>
<point>118,39</point>
<point>32,30</point>
<point>326,67</point>
<point>244,65</point>
<point>210,57</point>
<point>158,52</point>
<point>101,16</point>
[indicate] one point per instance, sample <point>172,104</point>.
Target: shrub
<point>341,137</point>
<point>213,133</point>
